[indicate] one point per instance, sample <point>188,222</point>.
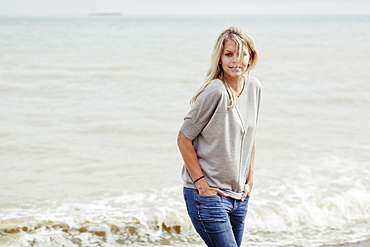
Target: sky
<point>183,7</point>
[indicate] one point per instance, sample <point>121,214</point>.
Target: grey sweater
<point>223,138</point>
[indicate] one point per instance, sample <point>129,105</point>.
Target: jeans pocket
<point>189,194</point>
<point>209,205</point>
<point>211,213</point>
<point>208,197</point>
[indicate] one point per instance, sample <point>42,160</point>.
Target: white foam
<point>160,217</point>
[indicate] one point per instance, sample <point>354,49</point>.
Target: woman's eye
<point>228,54</point>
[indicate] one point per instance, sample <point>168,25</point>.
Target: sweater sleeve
<point>202,110</point>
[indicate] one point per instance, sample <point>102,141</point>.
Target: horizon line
<point>195,15</point>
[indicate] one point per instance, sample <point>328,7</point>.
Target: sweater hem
<point>232,194</point>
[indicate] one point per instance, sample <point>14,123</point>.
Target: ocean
<point>90,108</point>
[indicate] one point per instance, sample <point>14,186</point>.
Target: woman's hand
<point>247,190</point>
<point>205,190</point>
<point>249,183</point>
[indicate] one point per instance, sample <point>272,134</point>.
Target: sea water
<point>90,109</point>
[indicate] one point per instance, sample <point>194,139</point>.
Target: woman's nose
<point>235,58</point>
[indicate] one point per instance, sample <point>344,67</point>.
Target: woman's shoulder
<point>215,87</point>
<point>212,94</point>
<point>255,82</point>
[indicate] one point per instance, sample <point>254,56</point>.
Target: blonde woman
<point>216,141</point>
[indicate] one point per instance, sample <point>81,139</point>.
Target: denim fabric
<point>218,220</point>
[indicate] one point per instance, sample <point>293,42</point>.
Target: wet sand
<point>365,243</point>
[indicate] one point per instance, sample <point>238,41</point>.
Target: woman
<point>216,141</point>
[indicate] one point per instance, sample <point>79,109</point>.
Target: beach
<point>90,109</point>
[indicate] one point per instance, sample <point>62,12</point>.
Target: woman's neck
<point>237,84</point>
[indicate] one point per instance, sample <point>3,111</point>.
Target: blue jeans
<point>218,220</point>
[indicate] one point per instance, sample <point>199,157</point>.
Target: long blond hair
<point>215,71</point>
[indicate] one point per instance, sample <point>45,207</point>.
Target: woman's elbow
<point>182,140</point>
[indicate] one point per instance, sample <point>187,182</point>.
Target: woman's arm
<point>192,164</point>
<point>249,183</point>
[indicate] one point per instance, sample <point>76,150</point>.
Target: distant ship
<point>105,14</point>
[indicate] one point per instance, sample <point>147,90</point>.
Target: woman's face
<point>229,59</point>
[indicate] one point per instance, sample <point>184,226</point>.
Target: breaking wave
<point>160,219</point>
